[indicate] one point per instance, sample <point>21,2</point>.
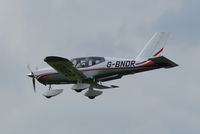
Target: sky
<point>161,101</point>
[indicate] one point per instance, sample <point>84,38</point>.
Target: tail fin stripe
<point>154,47</point>
<point>157,53</point>
<point>149,63</point>
<point>139,63</point>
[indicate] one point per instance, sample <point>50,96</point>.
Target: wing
<point>65,67</point>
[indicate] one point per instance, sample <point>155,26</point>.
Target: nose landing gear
<point>52,92</point>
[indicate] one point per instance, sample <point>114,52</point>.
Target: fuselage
<point>96,68</point>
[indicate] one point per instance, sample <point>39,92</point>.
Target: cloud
<point>183,23</point>
<point>161,101</point>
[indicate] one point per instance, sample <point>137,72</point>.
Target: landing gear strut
<point>50,87</point>
<point>52,92</point>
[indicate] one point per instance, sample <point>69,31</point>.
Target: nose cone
<point>30,75</point>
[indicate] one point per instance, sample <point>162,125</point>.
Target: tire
<point>91,97</point>
<point>48,97</point>
<point>78,91</point>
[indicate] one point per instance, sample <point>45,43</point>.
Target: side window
<point>97,61</point>
<point>87,61</point>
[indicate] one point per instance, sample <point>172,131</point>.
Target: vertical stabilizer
<point>154,46</point>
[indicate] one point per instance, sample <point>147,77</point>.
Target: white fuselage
<point>111,68</point>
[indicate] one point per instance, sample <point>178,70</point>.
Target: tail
<point>154,46</point>
<point>153,49</point>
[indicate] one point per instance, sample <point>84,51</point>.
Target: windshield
<point>87,61</point>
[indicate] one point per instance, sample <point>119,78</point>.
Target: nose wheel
<point>52,92</point>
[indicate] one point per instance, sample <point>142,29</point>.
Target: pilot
<point>78,63</point>
<point>83,64</point>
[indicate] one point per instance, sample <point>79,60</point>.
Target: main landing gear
<point>91,93</point>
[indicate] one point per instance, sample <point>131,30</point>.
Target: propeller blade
<point>33,78</point>
<point>34,87</point>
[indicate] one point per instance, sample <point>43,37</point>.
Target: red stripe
<point>157,53</point>
<point>45,74</point>
<point>148,64</point>
<point>93,69</point>
<point>141,62</point>
<point>83,70</point>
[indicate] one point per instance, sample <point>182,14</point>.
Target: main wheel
<point>48,97</point>
<point>78,90</point>
<point>91,97</point>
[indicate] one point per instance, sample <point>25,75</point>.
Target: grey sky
<point>162,101</point>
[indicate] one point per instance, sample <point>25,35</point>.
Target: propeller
<point>33,78</point>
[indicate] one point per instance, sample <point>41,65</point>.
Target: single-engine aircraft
<point>90,72</point>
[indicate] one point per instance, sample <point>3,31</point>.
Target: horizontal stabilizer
<point>163,61</point>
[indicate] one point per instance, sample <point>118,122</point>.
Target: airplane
<point>90,72</point>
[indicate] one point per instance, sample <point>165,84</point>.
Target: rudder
<point>154,46</point>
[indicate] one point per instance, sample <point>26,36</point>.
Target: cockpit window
<point>87,61</point>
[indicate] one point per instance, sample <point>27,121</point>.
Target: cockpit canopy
<point>87,61</point>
